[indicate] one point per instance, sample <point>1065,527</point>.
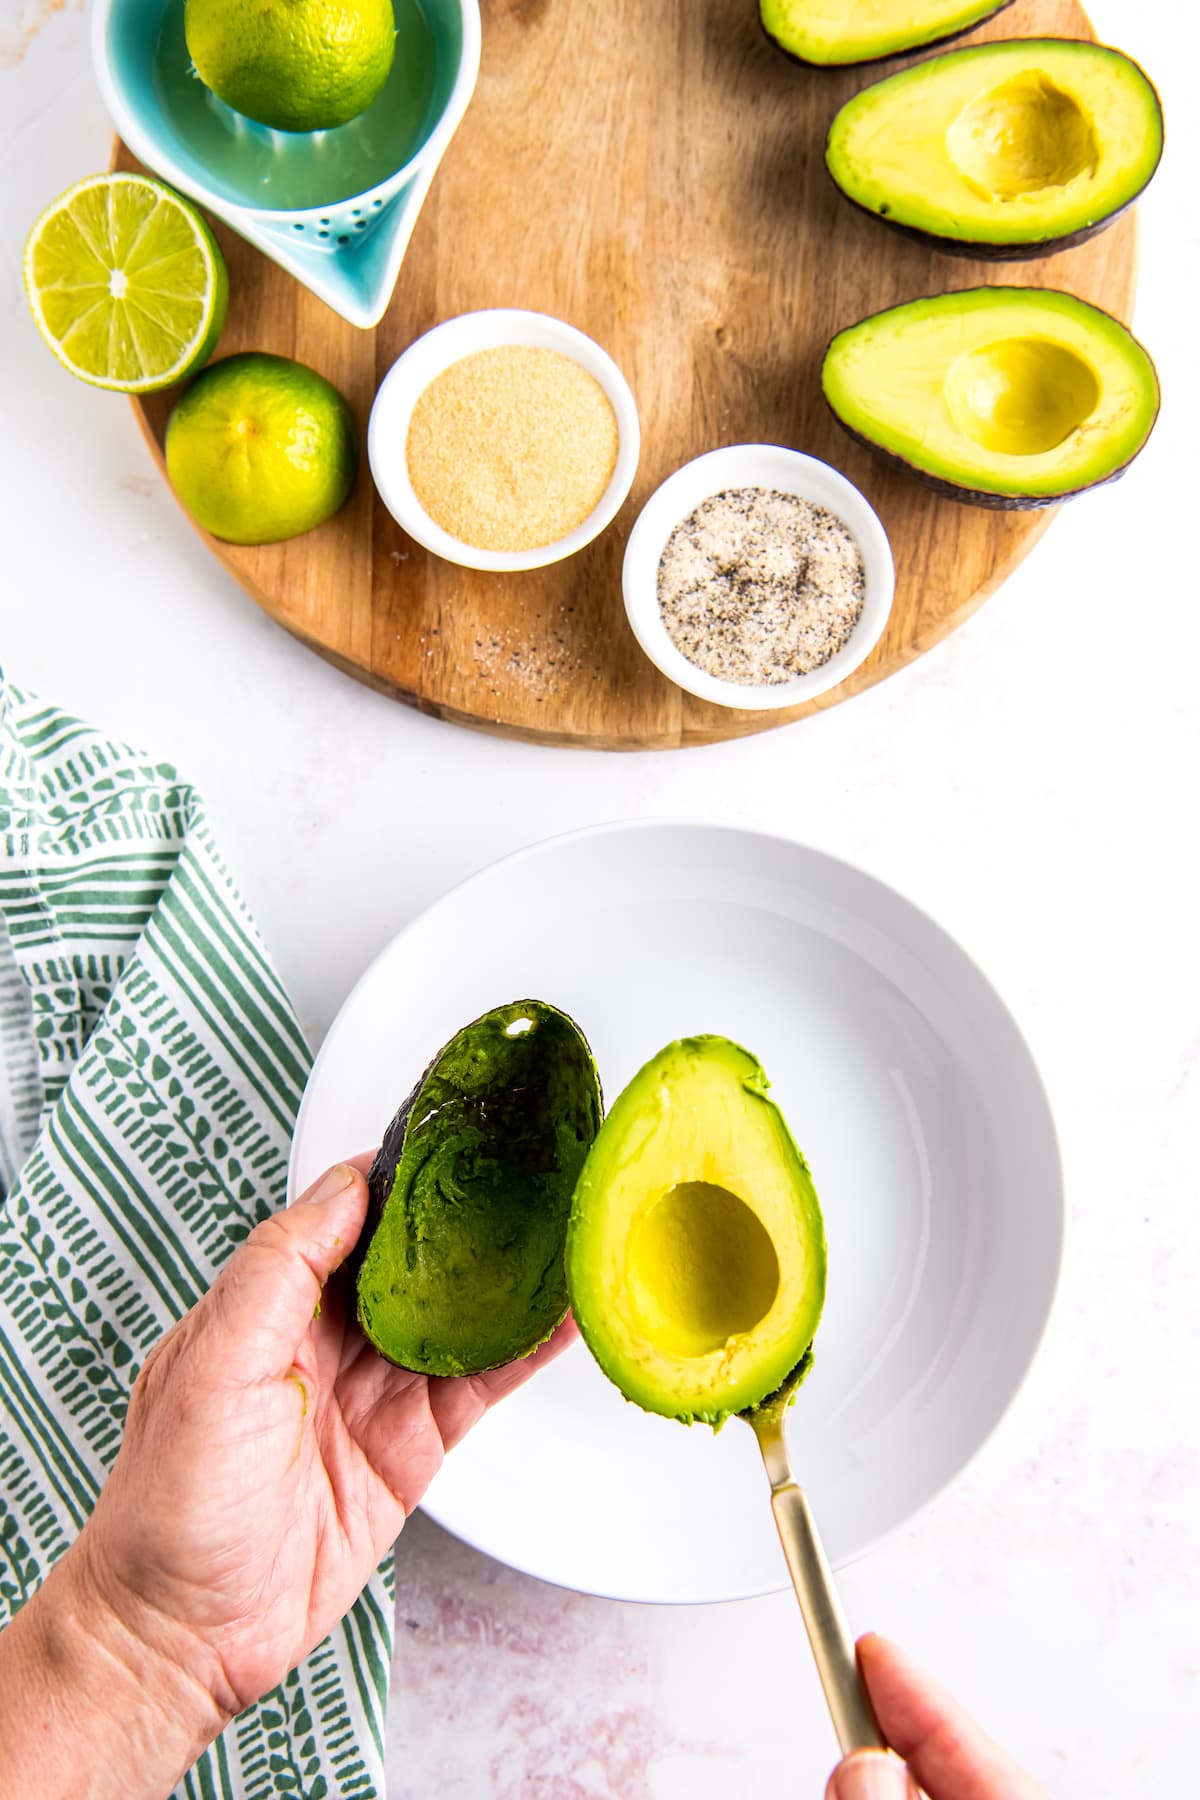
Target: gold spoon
<point>850,1708</point>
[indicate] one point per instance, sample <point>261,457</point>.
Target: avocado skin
<point>969,496</point>
<point>523,1122</point>
<point>868,62</point>
<point>1032,249</point>
<point>383,1168</point>
<point>971,249</point>
<point>785,1394</point>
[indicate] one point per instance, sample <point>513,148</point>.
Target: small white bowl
<point>762,466</point>
<point>422,362</point>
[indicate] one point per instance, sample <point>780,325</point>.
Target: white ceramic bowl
<point>915,1100</point>
<point>765,466</point>
<point>422,362</point>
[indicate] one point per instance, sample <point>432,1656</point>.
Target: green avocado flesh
<point>834,32</point>
<point>696,1249</point>
<point>470,1194</point>
<point>1003,396</point>
<point>1001,149</point>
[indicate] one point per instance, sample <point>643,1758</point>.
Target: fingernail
<point>870,1775</point>
<point>335,1181</point>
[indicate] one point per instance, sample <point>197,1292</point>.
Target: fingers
<point>460,1401</point>
<point>945,1750</point>
<point>404,1423</point>
<point>263,1301</point>
<point>362,1162</point>
<point>498,1382</point>
<point>870,1775</point>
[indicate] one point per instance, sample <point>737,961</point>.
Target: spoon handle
<point>832,1645</point>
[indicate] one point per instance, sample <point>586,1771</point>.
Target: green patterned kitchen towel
<point>150,1070</point>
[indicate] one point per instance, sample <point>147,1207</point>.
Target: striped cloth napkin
<point>150,1070</point>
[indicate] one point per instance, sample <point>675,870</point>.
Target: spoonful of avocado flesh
<point>696,1270</point>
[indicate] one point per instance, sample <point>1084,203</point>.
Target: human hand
<point>270,1457</point>
<point>943,1750</point>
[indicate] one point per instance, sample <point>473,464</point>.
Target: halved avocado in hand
<point>1004,397</point>
<point>832,33</point>
<point>696,1251</point>
<point>1001,151</point>
<point>471,1191</point>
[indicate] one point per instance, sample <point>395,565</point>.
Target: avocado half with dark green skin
<point>471,1191</point>
<point>696,1249</point>
<point>1001,151</point>
<point>836,33</point>
<point>1001,396</point>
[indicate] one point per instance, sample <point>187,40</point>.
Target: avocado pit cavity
<point>702,1269</point>
<point>1020,396</point>
<point>1022,137</point>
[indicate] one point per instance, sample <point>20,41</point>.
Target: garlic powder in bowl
<point>512,448</point>
<point>503,440</point>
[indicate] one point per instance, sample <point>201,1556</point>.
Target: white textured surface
<point>1031,783</point>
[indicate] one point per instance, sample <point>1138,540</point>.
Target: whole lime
<point>261,448</point>
<point>297,65</point>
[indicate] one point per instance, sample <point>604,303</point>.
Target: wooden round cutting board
<point>653,173</point>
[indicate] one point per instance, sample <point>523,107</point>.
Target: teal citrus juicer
<point>336,209</point>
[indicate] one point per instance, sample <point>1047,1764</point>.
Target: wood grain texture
<point>653,173</point>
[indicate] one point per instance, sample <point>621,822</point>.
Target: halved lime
<point>126,283</point>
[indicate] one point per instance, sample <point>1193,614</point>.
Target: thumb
<point>263,1301</point>
<point>947,1752</point>
<point>870,1775</point>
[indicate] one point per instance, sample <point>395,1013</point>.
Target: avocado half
<point>1002,396</point>
<point>833,33</point>
<point>696,1248</point>
<point>470,1194</point>
<point>1001,151</point>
